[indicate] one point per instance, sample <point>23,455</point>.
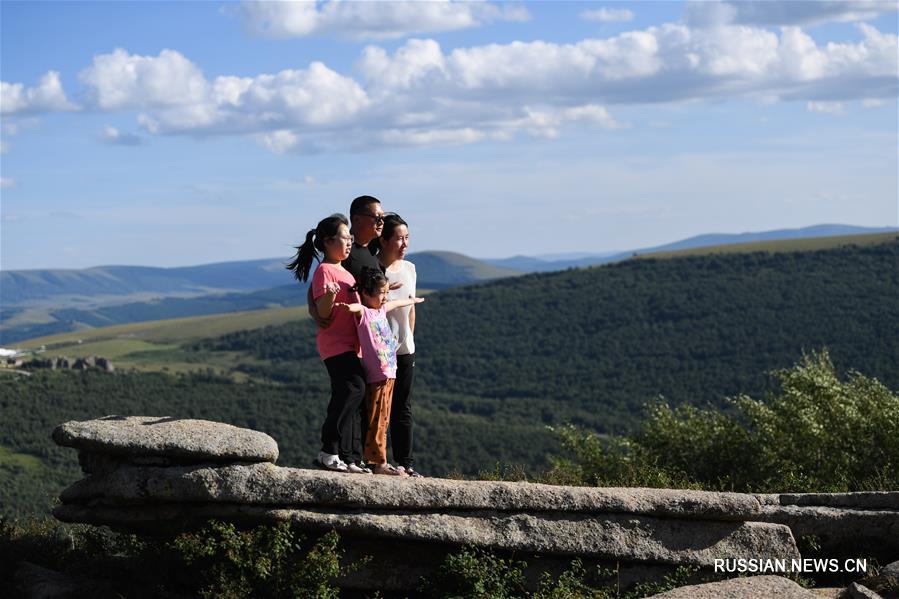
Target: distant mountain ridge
<point>549,264</point>
<point>57,301</point>
<point>436,270</point>
<point>22,286</point>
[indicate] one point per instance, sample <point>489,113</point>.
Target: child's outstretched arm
<point>400,303</point>
<point>351,308</point>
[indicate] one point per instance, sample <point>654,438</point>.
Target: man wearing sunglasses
<point>366,224</point>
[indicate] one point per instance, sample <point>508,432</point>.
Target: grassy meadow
<point>156,345</point>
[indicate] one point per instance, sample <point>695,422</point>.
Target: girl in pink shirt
<point>338,344</point>
<point>378,359</point>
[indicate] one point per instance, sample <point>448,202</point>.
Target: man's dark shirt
<point>361,257</point>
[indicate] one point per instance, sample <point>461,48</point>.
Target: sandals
<point>409,472</point>
<point>335,464</point>
<point>358,468</point>
<point>331,462</point>
<point>387,469</point>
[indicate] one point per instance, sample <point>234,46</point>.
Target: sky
<point>183,133</point>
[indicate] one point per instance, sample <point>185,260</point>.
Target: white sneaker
<point>357,469</point>
<point>330,461</point>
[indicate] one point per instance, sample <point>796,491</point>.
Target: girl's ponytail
<point>302,262</point>
<point>315,242</point>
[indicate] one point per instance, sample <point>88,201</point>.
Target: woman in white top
<point>394,242</point>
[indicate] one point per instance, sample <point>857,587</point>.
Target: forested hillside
<point>591,346</point>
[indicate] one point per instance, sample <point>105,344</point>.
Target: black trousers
<point>340,433</point>
<point>401,411</point>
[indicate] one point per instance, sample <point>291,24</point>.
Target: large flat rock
<point>742,588</point>
<point>173,438</point>
<point>266,484</point>
<point>624,537</point>
<point>867,500</point>
<point>839,530</point>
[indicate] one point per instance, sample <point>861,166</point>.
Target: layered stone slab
<point>624,537</point>
<point>867,500</point>
<point>164,437</point>
<point>266,484</point>
<point>753,586</point>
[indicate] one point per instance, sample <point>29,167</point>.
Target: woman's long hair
<point>315,243</point>
<point>392,220</point>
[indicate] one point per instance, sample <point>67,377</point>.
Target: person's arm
<point>400,303</point>
<point>325,303</point>
<point>411,267</point>
<point>351,308</point>
<point>322,322</point>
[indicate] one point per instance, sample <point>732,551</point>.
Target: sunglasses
<point>378,218</point>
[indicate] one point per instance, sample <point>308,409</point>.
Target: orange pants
<point>378,397</point>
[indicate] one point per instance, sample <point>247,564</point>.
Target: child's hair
<point>315,243</point>
<point>371,282</point>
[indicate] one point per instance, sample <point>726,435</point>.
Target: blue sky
<point>178,133</point>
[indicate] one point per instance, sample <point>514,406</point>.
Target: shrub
<point>473,572</point>
<point>264,561</point>
<point>217,561</point>
<point>817,433</point>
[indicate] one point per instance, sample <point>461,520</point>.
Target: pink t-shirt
<point>340,337</point>
<point>378,345</point>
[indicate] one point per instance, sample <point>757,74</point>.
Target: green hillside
<point>439,270</point>
<point>593,345</point>
<point>804,244</point>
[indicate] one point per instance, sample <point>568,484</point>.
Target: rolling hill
<point>41,317</point>
<point>701,244</point>
<point>118,284</point>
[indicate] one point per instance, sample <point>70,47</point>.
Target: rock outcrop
<point>167,440</point>
<point>754,586</point>
<point>162,474</point>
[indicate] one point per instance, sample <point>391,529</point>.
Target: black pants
<point>401,411</point>
<point>340,432</point>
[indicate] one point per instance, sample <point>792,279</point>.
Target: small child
<point>379,361</point>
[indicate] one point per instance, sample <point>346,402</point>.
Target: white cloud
<point>873,103</point>
<point>768,13</point>
<point>112,136</point>
<point>432,137</point>
<point>418,94</point>
<point>121,80</point>
<point>826,107</point>
<point>174,95</point>
<point>608,15</point>
<point>7,183</point>
<point>5,147</point>
<point>279,142</point>
<point>370,20</point>
<point>47,96</point>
